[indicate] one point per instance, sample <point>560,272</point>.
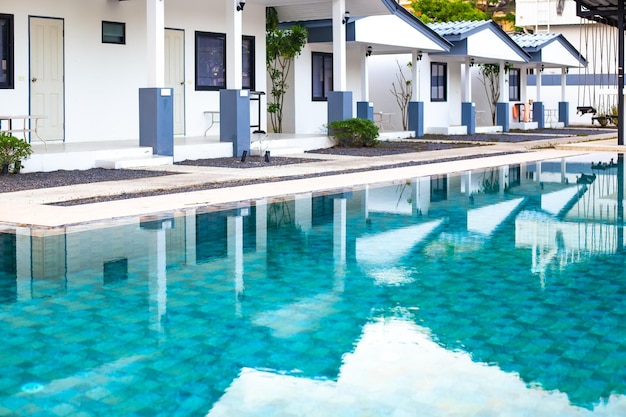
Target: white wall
<point>308,116</point>
<point>383,70</point>
<point>301,114</point>
<point>102,81</point>
<point>543,13</point>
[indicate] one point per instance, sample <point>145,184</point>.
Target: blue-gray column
<point>156,120</point>
<point>235,120</point>
<point>564,112</point>
<point>340,105</point>
<point>502,116</point>
<point>365,110</point>
<point>538,114</point>
<point>416,118</point>
<point>468,117</point>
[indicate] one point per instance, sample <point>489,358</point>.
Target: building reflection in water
<point>325,250</point>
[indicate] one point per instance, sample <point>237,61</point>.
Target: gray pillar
<point>538,114</point>
<point>416,118</point>
<point>502,116</point>
<point>564,112</point>
<point>365,110</point>
<point>340,105</point>
<point>235,120</point>
<point>156,120</point>
<point>468,117</point>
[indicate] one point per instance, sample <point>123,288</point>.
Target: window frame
<point>111,39</point>
<point>438,188</point>
<point>435,88</point>
<point>251,64</point>
<point>516,88</point>
<point>221,81</point>
<point>7,58</point>
<point>326,57</point>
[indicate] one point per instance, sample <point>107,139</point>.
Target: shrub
<point>12,151</point>
<point>354,133</point>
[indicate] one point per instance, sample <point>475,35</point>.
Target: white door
<point>46,76</point>
<point>175,74</point>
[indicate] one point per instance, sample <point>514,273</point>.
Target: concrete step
<point>120,163</point>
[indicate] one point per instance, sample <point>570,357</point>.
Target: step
<point>120,163</point>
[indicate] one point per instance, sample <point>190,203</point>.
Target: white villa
<point>153,73</point>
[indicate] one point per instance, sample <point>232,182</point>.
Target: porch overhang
<point>393,32</point>
<point>551,50</point>
<point>310,10</point>
<point>372,31</point>
<point>610,12</point>
<point>484,41</point>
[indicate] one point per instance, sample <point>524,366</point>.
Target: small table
<point>215,118</point>
<point>27,125</point>
<point>552,117</point>
<point>380,118</point>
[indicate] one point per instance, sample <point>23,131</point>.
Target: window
<point>6,51</point>
<point>248,69</point>
<point>438,188</point>
<point>515,175</point>
<point>322,75</point>
<point>438,81</point>
<point>514,84</point>
<point>114,32</point>
<point>210,61</point>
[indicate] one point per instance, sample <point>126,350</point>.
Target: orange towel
<point>515,112</point>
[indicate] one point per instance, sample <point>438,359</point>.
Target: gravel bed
<point>237,183</point>
<point>36,180</point>
<point>516,136</point>
<point>250,162</point>
<point>19,182</point>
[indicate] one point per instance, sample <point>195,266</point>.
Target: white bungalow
<point>118,74</point>
<point>146,77</point>
<point>329,87</point>
<point>457,102</point>
<point>553,51</point>
<point>446,77</point>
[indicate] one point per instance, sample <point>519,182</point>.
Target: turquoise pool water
<point>491,293</point>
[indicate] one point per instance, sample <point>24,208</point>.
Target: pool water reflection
<point>492,292</point>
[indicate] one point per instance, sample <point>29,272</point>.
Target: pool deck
<point>32,208</point>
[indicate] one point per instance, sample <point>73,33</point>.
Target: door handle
<point>182,83</point>
<point>34,79</point>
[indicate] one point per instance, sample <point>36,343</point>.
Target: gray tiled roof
<point>536,40</point>
<point>457,28</point>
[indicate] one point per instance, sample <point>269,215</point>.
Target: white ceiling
<point>302,10</point>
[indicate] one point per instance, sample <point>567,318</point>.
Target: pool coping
<point>33,208</point>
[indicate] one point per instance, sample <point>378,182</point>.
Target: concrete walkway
<point>32,207</point>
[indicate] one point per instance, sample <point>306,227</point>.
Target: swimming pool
<point>485,293</point>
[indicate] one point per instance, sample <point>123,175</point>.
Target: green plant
<point>282,46</point>
<point>354,133</point>
<point>12,151</point>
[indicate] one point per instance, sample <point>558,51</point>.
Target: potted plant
<point>614,114</point>
<point>12,152</point>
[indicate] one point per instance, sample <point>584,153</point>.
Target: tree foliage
<point>282,46</point>
<point>431,11</point>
